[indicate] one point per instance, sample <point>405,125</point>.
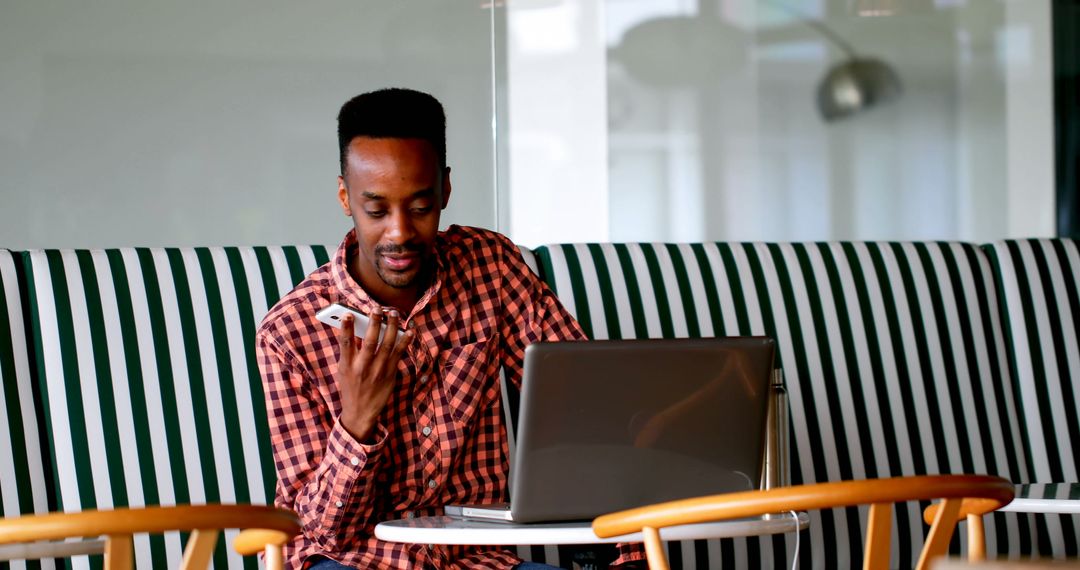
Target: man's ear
<point>445,187</point>
<point>343,196</point>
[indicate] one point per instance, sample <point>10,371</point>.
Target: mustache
<point>398,249</point>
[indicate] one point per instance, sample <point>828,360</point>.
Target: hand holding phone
<point>367,371</point>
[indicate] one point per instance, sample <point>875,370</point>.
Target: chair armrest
<point>58,526</point>
<point>269,528</point>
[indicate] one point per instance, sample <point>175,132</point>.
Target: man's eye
<point>421,209</point>
<point>375,213</point>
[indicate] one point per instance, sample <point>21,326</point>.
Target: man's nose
<point>401,229</point>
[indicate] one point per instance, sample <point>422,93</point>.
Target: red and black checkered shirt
<point>440,439</point>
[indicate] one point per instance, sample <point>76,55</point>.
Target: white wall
<point>214,123</point>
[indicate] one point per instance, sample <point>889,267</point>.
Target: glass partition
<point>124,122</point>
<point>675,120</point>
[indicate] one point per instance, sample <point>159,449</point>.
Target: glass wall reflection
<point>213,123</point>
<point>778,120</point>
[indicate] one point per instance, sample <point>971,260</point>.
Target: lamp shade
<point>681,51</point>
<point>855,85</point>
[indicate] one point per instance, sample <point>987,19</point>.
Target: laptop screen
<point>610,425</point>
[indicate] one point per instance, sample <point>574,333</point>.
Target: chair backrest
<point>880,494</point>
<point>146,364</point>
<point>883,346</point>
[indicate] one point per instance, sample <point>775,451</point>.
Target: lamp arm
<point>817,25</point>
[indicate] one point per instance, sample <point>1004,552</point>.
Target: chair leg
<point>878,535</point>
<point>199,549</point>
<point>937,542</point>
<point>274,560</point>
<point>119,552</point>
<point>654,549</point>
<point>976,539</point>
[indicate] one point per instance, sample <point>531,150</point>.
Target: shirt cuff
<point>349,463</point>
<point>350,451</point>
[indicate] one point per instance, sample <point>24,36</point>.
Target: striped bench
<point>25,482</point>
<point>1039,292</point>
<point>893,355</point>
<point>129,375</point>
<point>151,394</point>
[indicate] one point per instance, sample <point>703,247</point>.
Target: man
<point>364,431</point>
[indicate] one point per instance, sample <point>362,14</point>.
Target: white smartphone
<point>333,314</point>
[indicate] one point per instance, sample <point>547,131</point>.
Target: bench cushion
<point>147,369</point>
<point>893,356</point>
<point>1038,283</point>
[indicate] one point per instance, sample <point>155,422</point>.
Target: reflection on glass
<point>210,123</point>
<point>715,131</point>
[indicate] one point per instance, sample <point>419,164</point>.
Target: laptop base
<point>497,512</point>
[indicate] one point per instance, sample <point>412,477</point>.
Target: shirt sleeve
<point>324,474</point>
<point>532,312</point>
<point>630,555</point>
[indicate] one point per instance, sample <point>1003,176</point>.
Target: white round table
<point>448,530</point>
<point>1046,498</point>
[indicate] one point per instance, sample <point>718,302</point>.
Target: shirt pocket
<point>469,379</point>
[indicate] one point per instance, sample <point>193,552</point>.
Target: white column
<point>557,136</point>
<point>1029,81</point>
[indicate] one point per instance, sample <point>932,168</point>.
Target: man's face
<point>395,191</point>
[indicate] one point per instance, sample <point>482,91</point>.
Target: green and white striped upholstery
<point>136,383</point>
<point>23,475</point>
<point>1039,281</point>
<point>146,365</point>
<point>893,356</point>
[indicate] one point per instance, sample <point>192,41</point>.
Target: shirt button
<point>339,504</point>
<point>431,483</point>
<point>423,379</point>
<point>355,461</point>
<point>426,430</point>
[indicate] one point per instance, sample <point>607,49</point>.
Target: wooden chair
<point>880,494</point>
<point>268,529</point>
<point>971,510</point>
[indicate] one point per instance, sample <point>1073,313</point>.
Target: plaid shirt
<point>440,439</point>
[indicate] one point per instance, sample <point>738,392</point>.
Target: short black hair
<point>393,113</point>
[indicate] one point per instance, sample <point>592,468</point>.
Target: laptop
<point>611,425</point>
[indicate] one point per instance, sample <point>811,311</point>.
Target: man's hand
<point>366,373</point>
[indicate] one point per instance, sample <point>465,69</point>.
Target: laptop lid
<point>611,425</point>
